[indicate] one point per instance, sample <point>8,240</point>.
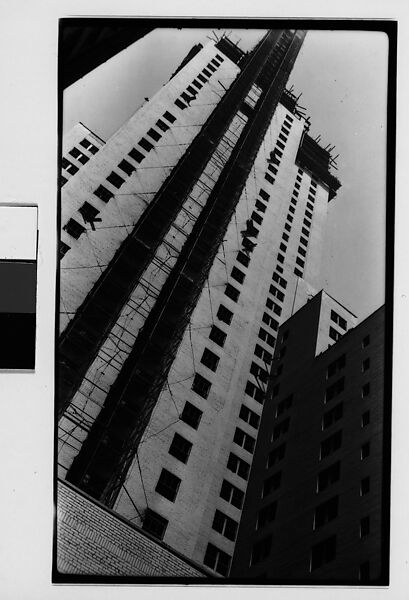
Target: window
<point>282,282</point>
<point>295,194</point>
<point>308,214</point>
<point>201,386</point>
<point>238,275</point>
<point>365,419</point>
<point>280,145</point>
<point>63,249</point>
<point>206,72</point>
<point>180,448</point>
<point>162,125</point>
<point>334,389</point>
<point>364,528</point>
<point>225,525</point>
<point>257,218</point>
<point>217,560</point>
<point>231,292</point>
<point>307,222</point>
<point>298,272</point>
<point>365,450</point>
<point>202,78</point>
<point>336,365</point>
<point>263,194</point>
<point>276,293</point>
<point>291,209</point>
<point>366,364</point>
<point>249,416</point>
<point>68,166</point>
<point>254,392</point>
<point>75,153</point>
<point>300,262</point>
<point>272,169</point>
<point>154,524</point>
<point>305,231</point>
<point>266,337</point>
<point>284,129</point>
<point>168,485</point>
<point>191,415</point>
<point>328,476</point>
<point>224,314</point>
<point>282,137</point>
<point>244,440</point>
<point>145,144</point>
<point>260,206</point>
<point>330,444</point>
<point>88,212</point>
<point>258,372</point>
<point>287,227</point>
<point>115,179</point>
<point>366,341</point>
<point>267,357</point>
<point>210,359</point>
<point>365,486</point>
<point>197,84</point>
<point>302,251</point>
<point>217,335</point>
<point>280,258</point>
<point>332,416</point>
<point>136,155</point>
<point>269,178</point>
<point>296,185</point>
<point>313,183</point>
<point>290,218</point>
<point>103,194</point>
<point>63,180</point>
<point>266,515</point>
<point>334,334</point>
<point>238,465</point>
<point>275,456</point>
<point>270,321</point>
<point>126,167</point>
<point>286,237</point>
<point>188,99</point>
<point>243,259</point>
<point>323,553</point>
<point>232,494</point>
<point>180,104</point>
<point>271,484</point>
<point>303,241</point>
<point>74,229</point>
<point>366,389</point>
<point>169,117</point>
<point>364,571</point>
<point>88,146</point>
<point>261,550</point>
<point>284,405</point>
<point>325,512</point>
<point>338,320</point>
<point>280,429</point>
<point>279,269</point>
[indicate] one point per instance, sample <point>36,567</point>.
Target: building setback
<point>316,503</point>
<point>188,238</point>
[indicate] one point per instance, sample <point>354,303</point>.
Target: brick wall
<point>92,540</point>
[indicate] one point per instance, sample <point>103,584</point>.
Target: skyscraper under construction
<point>187,239</point>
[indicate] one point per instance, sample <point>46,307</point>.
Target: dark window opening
<point>210,359</point>
<point>224,314</point>
<point>168,485</point>
<point>103,194</point>
<point>115,180</point>
<point>180,448</point>
<point>191,415</point>
<point>201,386</point>
<point>74,229</point>
<point>154,524</point>
<point>136,155</point>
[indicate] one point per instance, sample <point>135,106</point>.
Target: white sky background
<point>342,76</point>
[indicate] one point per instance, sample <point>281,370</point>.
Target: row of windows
<point>89,213</point>
<point>277,153</point>
<point>78,155</point>
<point>192,90</point>
<point>333,442</point>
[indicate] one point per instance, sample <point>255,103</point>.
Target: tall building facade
<point>316,503</point>
<point>188,238</point>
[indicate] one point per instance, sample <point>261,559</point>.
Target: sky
<point>342,76</point>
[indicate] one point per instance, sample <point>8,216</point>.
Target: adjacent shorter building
<point>316,508</point>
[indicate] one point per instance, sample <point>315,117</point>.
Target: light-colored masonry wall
<point>328,305</point>
<point>91,253</point>
<point>191,514</point>
<point>87,402</point>
<point>94,541</point>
